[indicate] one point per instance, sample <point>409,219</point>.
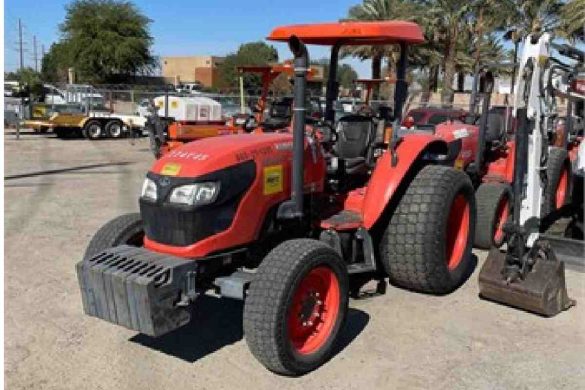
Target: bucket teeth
<point>543,290</point>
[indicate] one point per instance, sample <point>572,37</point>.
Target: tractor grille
<point>181,225</point>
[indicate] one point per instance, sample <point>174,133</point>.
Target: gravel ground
<point>58,193</point>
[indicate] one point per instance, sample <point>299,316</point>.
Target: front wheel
<point>296,306</point>
<point>427,244</point>
<point>127,229</point>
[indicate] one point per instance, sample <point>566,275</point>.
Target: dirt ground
<point>58,193</point>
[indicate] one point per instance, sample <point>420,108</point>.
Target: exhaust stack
<point>293,208</point>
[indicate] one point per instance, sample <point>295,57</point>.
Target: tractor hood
<point>211,154</point>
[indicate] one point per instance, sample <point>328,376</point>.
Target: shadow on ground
<point>217,323</point>
<point>65,170</point>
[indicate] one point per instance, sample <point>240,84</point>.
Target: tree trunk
<point>376,74</point>
<point>432,85</point>
<point>460,81</point>
<point>434,80</point>
<point>449,74</point>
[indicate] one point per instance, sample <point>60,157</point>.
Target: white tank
<point>190,108</point>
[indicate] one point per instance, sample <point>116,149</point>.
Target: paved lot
<point>57,194</point>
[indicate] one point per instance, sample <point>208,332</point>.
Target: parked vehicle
<point>316,212</point>
<point>190,88</point>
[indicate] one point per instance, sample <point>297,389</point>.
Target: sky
<point>183,27</point>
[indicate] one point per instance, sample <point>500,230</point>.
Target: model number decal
<point>273,182</point>
<point>248,155</point>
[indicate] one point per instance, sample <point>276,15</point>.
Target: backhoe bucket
<point>542,290</point>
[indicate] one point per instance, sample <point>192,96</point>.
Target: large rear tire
<point>558,188</point>
<point>296,306</point>
<point>427,244</point>
<point>493,209</point>
<point>127,229</point>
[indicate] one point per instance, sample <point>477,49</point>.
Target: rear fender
<point>413,152</point>
<point>501,168</point>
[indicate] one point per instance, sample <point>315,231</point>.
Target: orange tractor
<point>292,222</point>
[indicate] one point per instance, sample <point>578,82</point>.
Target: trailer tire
<point>427,244</point>
<point>126,229</point>
<point>59,132</point>
<point>92,130</point>
<point>296,306</point>
<point>558,188</point>
<point>494,204</point>
<point>115,129</point>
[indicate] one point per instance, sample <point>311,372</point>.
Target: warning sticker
<point>171,169</point>
<point>459,164</point>
<point>273,179</point>
<point>461,133</point>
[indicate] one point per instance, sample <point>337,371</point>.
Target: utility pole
<point>35,56</point>
<point>20,44</point>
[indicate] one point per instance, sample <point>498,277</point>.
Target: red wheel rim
<point>314,309</point>
<point>502,213</point>
<point>562,188</point>
<point>457,231</point>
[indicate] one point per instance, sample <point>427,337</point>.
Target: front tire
<point>493,209</point>
<point>296,306</point>
<point>127,229</point>
<point>427,244</point>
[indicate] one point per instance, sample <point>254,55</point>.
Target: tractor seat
<point>495,127</point>
<point>354,136</point>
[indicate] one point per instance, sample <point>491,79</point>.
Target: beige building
<point>192,68</point>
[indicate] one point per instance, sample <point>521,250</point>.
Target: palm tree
<point>573,18</point>
<point>526,17</point>
<point>446,20</point>
<point>371,10</point>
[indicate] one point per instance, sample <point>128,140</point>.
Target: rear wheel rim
<point>502,213</point>
<point>115,130</point>
<point>457,231</point>
<point>562,188</point>
<point>314,310</point>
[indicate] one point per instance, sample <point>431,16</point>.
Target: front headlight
<point>149,189</point>
<point>197,194</point>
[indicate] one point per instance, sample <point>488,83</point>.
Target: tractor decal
<point>171,169</point>
<point>273,182</point>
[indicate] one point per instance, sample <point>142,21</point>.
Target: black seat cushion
<point>495,127</point>
<point>354,136</point>
<point>354,133</point>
